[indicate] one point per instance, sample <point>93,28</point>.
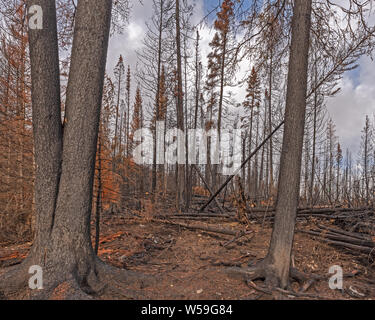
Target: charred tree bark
<point>279,255</point>
<point>47,124</point>
<point>157,102</point>
<point>275,268</point>
<point>180,174</point>
<point>98,198</point>
<point>65,161</point>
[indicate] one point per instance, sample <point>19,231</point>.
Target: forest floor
<point>192,264</point>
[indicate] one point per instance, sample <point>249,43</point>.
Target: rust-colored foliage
<point>162,101</point>
<point>252,91</point>
<point>223,16</point>
<point>16,143</point>
<point>110,186</point>
<point>137,117</point>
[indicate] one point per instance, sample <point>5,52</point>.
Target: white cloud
<point>135,34</point>
<point>350,107</point>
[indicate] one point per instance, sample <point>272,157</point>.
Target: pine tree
<point>366,153</point>
<point>338,170</point>
<point>16,143</point>
<point>251,103</point>
<point>136,123</point>
<point>128,88</point>
<point>119,73</point>
<point>220,65</point>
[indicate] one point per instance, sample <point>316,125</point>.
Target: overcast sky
<point>348,109</point>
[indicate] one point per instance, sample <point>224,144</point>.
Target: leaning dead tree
<point>340,65</point>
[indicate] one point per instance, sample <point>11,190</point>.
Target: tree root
<point>117,281</point>
<point>108,272</point>
<point>249,273</point>
<point>287,293</point>
<point>101,279</point>
<point>263,271</point>
<point>15,278</point>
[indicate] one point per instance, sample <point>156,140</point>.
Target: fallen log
<point>341,238</point>
<point>333,210</point>
<point>199,227</point>
<point>209,215</point>
<point>315,210</point>
<point>227,219</point>
<point>346,245</point>
<point>237,237</point>
<point>370,226</point>
<point>347,233</point>
<point>366,250</point>
<point>318,213</point>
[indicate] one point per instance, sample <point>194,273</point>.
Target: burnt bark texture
<point>275,269</point>
<point>279,255</point>
<point>180,174</point>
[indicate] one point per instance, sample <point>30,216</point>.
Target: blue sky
<point>210,4</point>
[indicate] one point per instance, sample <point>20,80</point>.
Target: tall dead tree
<point>366,154</point>
<point>279,255</point>
<point>157,102</point>
<point>119,73</point>
<point>180,108</point>
<point>275,268</point>
<point>128,84</point>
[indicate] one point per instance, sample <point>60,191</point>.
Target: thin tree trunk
<point>312,177</point>
<point>270,123</point>
<point>98,197</point>
<point>116,120</point>
<point>157,102</point>
<point>279,255</point>
<point>180,174</point>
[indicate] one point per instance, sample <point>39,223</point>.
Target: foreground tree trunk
<point>65,159</point>
<point>275,268</point>
<point>279,254</point>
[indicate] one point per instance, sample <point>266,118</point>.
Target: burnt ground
<point>192,264</point>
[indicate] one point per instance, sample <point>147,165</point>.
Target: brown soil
<point>192,264</point>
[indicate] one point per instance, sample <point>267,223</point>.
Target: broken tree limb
<point>237,237</point>
<point>303,295</point>
<point>208,215</point>
<point>240,168</point>
<point>207,187</point>
<point>199,227</point>
<point>198,218</point>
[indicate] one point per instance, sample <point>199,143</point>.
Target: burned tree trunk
<point>279,255</point>
<point>275,268</point>
<point>180,174</point>
<point>65,160</point>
